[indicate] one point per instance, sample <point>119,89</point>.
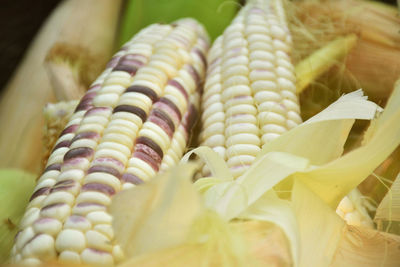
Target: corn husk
<point>30,87</point>
<point>15,189</point>
<point>388,212</point>
<point>295,184</point>
<point>373,64</point>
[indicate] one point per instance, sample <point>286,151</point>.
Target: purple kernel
<point>130,178</point>
<point>179,86</point>
<point>70,129</point>
<point>53,167</point>
<point>63,186</point>
<point>79,152</point>
<point>150,143</point>
<point>113,62</point>
<point>96,110</point>
<point>89,204</point>
<point>77,219</point>
<point>93,89</point>
<point>191,119</point>
<point>106,160</point>
<point>147,150</point>
<point>201,56</point>
<point>106,169</point>
<point>40,192</point>
<point>147,158</point>
<point>84,104</point>
<point>55,205</point>
<point>172,106</point>
<point>86,135</point>
<point>65,143</point>
<point>98,187</point>
<point>143,90</point>
<point>129,69</point>
<point>164,116</point>
<point>195,75</point>
<point>162,124</point>
<point>131,109</point>
<point>135,57</point>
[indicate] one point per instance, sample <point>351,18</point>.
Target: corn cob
<point>250,93</point>
<point>140,108</point>
<point>353,208</point>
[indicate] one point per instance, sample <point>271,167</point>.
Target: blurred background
<point>19,22</point>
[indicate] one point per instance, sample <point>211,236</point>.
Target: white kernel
<point>262,55</point>
<point>138,172</point>
<point>214,108</point>
<point>45,183</point>
<point>268,137</point>
<point>242,149</point>
<point>236,90</point>
<point>262,85</point>
<point>213,129</point>
<point>70,257</point>
<point>49,175</point>
<point>93,197</point>
<point>71,174</point>
<point>84,143</point>
<point>241,128</point>
<point>99,217</point>
<point>59,212</point>
<point>106,229</point>
<point>79,223</point>
<point>31,215</point>
<point>113,88</point>
<point>235,80</point>
<point>96,119</point>
<point>30,262</point>
<point>278,33</point>
<point>103,178</point>
<point>110,153</point>
<point>241,118</point>
<point>106,100</point>
<point>48,226</point>
<point>216,117</point>
<point>23,237</point>
<point>59,197</point>
<point>127,185</point>
<point>98,258</point>
<point>243,138</point>
<point>290,105</point>
<point>117,253</point>
<point>241,109</point>
<point>215,140</point>
<point>142,165</point>
<point>271,117</point>
<point>92,127</point>
<point>260,74</point>
<point>41,246</point>
<point>240,160</point>
<point>98,241</point>
<point>273,128</point>
<point>70,239</point>
<point>112,145</point>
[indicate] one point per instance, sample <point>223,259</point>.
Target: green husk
<point>215,15</point>
<point>16,187</point>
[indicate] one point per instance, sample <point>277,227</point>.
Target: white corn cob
<point>250,93</point>
<point>138,111</point>
<point>353,208</point>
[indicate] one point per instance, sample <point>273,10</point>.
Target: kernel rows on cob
<point>250,89</point>
<point>133,121</point>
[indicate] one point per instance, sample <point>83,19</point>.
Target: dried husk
<point>374,63</point>
<point>88,25</point>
